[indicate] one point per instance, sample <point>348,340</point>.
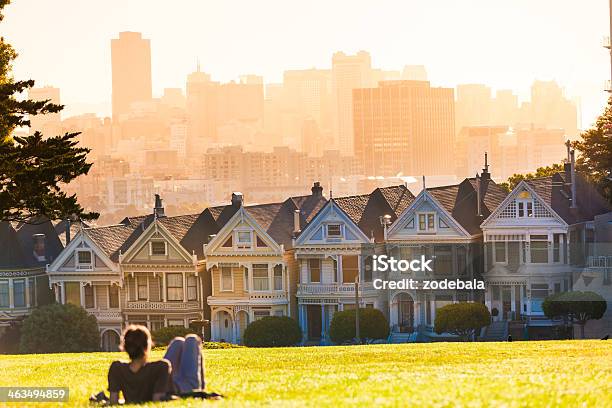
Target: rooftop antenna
<point>424,188</point>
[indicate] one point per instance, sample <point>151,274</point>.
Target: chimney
<point>485,171</point>
<point>68,223</point>
<point>39,250</point>
<point>158,210</point>
<point>296,221</point>
<point>317,190</point>
<point>237,199</point>
<point>573,178</point>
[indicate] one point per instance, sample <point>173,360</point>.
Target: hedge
<point>372,325</point>
<point>272,331</point>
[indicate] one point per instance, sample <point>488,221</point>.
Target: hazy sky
<point>502,43</point>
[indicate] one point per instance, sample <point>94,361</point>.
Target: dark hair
<point>135,341</point>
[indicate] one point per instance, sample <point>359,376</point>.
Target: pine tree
<point>595,153</point>
<point>34,168</point>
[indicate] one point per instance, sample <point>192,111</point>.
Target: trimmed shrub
<point>218,345</point>
<point>462,319</point>
<point>272,331</point>
<point>59,328</point>
<point>575,306</point>
<point>10,338</point>
<point>372,325</point>
<point>163,336</point>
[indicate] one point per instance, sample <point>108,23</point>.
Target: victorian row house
<point>309,257</point>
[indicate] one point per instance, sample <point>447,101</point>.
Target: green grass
<point>518,374</point>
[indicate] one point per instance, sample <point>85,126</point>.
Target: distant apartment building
<point>308,93</point>
<point>48,124</point>
<point>348,72</point>
<point>202,108</point>
<point>550,108</point>
<point>404,127</point>
<point>131,71</point>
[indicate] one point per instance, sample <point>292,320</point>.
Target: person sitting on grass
<point>180,372</point>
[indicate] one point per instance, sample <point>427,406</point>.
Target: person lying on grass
<point>180,372</point>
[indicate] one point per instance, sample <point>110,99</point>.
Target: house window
<point>539,248</point>
<point>427,222</point>
<point>176,323</point>
<point>73,293</point>
<point>227,283</point>
<point>278,277</point>
<point>350,268</point>
<point>314,267</point>
<point>500,251</point>
<point>334,231</point>
<point>259,314</point>
<point>89,296</point>
<point>525,208</point>
<point>260,277</point>
<point>113,296</point>
<point>192,287</point>
<point>244,239</point>
<point>32,290</point>
<point>4,293</point>
<point>84,259</point>
<point>156,322</point>
<point>158,248</point>
<point>443,260</point>
<point>142,288</point>
<point>175,286</point>
<point>539,291</point>
<point>557,240</point>
<point>19,292</point>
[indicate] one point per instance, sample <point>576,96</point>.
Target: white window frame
<point>282,277</point>
<point>505,243</point>
<point>429,229</point>
<point>525,203</point>
<point>84,266</point>
<point>193,278</point>
<point>151,248</point>
<point>139,284</point>
<point>253,278</point>
<point>231,271</point>
<point>340,231</point>
<point>243,244</point>
<point>95,301</point>
<point>108,295</point>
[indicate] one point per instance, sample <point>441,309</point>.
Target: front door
<point>314,322</point>
<point>405,313</point>
<point>110,341</point>
<point>506,296</point>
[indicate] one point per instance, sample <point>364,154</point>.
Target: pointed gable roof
<point>11,255</point>
<point>460,200</point>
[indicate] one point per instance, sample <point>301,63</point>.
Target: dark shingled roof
<point>555,190</point>
<point>17,244</point>
<point>365,210</point>
<point>460,201</point>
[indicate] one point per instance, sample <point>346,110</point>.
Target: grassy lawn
<point>518,374</point>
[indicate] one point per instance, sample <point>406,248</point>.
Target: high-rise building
<point>404,127</point>
<point>505,108</point>
<point>348,72</point>
<point>549,108</point>
<point>307,92</point>
<point>131,70</point>
<point>474,106</point>
<point>243,101</point>
<point>49,123</point>
<point>414,73</point>
<point>202,109</point>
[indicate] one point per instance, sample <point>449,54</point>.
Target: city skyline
<point>538,50</point>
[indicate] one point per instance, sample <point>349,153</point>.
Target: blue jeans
<point>185,355</point>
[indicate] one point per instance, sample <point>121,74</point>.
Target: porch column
<point>163,277</point>
<point>303,321</point>
<point>339,270</point>
<point>184,287</point>
<point>513,301</point>
<point>322,323</point>
<point>63,293</point>
<point>11,295</point>
<point>82,294</point>
<point>27,292</point>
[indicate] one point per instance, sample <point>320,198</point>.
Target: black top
<point>152,378</point>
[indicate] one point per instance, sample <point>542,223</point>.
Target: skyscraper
<point>131,69</point>
<point>348,72</point>
<point>202,109</point>
<point>404,126</point>
<point>474,106</point>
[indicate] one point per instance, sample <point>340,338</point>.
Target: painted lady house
<point>535,241</point>
<point>441,223</point>
<point>248,262</point>
<point>140,271</point>
<point>336,248</point>
<point>25,249</point>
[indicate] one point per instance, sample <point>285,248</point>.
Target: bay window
<point>538,248</point>
<point>227,284</point>
<point>260,277</point>
<point>175,286</point>
<point>19,292</point>
<point>192,287</point>
<point>278,277</point>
